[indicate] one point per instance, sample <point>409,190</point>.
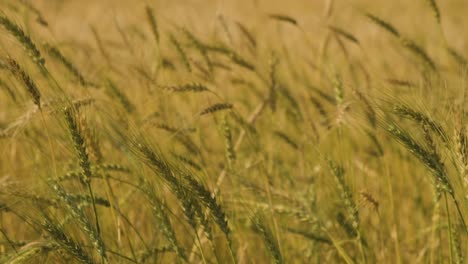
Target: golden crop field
<point>233,131</point>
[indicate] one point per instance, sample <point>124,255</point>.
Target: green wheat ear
<point>383,24</point>
<point>345,193</point>
<point>180,50</point>
<point>435,9</point>
<point>229,145</point>
<point>23,77</point>
<point>215,108</point>
<point>56,54</point>
<point>121,97</point>
<point>260,227</point>
<point>24,40</point>
<point>284,19</point>
<point>78,143</point>
<point>188,87</point>
<point>152,22</point>
<point>57,234</point>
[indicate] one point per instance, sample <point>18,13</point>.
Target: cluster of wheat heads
<point>225,137</point>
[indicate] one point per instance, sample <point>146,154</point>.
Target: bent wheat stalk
<point>251,120</point>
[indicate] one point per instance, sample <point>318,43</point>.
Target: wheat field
<point>233,131</point>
